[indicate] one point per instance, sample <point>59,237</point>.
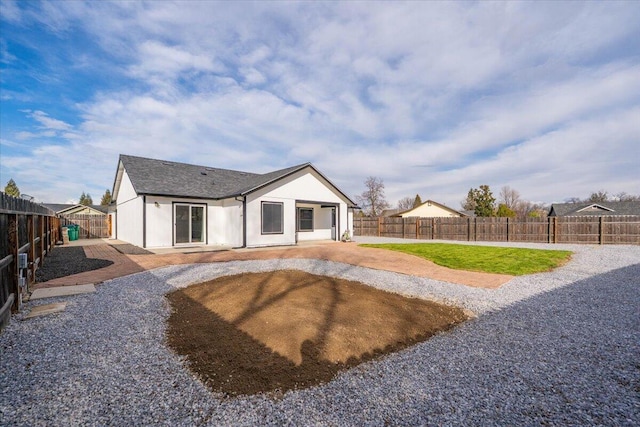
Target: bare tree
<point>509,197</point>
<point>406,203</point>
<point>372,200</point>
<point>624,197</point>
<point>572,200</point>
<point>599,196</point>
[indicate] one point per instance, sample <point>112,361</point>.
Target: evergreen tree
<point>106,198</point>
<point>417,202</point>
<point>85,199</point>
<point>12,189</point>
<point>482,201</point>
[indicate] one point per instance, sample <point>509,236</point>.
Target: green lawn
<point>490,259</point>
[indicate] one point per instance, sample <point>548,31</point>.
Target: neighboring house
<point>430,209</point>
<point>389,212</point>
<point>595,209</point>
<point>159,203</point>
<point>73,209</point>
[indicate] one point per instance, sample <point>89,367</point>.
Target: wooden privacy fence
<point>570,229</point>
<point>90,226</point>
<point>25,228</point>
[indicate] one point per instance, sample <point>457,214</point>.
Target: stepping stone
<point>44,309</point>
<point>62,291</point>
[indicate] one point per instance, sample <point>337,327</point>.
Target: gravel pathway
<point>556,348</point>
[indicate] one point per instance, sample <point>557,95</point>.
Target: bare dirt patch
<point>284,330</point>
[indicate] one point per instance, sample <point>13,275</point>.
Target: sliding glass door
<point>189,223</point>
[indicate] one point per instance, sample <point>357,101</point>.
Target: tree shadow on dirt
<point>228,329</point>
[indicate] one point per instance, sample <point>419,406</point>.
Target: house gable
<point>595,208</point>
<point>430,209</point>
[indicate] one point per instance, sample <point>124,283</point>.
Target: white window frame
<point>299,222</point>
<point>262,216</point>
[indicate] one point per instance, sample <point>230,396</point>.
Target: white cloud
<point>47,122</point>
<point>515,94</point>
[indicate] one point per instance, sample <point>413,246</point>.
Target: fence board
<point>22,229</point>
<point>90,226</point>
<point>583,229</point>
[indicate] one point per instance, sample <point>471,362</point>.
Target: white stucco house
<point>159,204</point>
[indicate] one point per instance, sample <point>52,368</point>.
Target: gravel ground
<point>556,348</point>
<point>65,261</point>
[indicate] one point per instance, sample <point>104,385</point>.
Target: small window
<point>272,218</point>
<point>305,219</point>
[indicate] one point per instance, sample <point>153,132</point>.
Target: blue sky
<point>432,97</point>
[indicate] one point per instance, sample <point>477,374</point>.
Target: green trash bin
<point>73,232</point>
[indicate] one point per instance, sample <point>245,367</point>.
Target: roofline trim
<point>595,205</point>
<point>298,169</point>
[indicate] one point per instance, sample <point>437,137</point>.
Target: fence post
<point>507,229</point>
<point>417,228</point>
<point>379,226</point>
<point>475,228</point>
<point>14,242</point>
<point>433,228</point>
<point>31,266</point>
<point>601,230</point>
<point>555,229</point>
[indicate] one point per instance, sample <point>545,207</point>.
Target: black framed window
<point>305,219</point>
<point>272,218</point>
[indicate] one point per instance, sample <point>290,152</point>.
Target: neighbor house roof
<point>389,212</point>
<point>60,208</point>
<point>429,203</point>
<point>595,209</point>
<point>165,178</point>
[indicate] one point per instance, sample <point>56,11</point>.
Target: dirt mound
<point>283,330</point>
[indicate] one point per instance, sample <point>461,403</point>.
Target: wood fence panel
<point>365,226</point>
<point>410,230</point>
<point>22,227</point>
<point>584,229</point>
<point>621,230</point>
<point>450,229</point>
<point>392,227</point>
<point>529,230</point>
<point>90,226</point>
<point>578,229</point>
<point>425,229</point>
<point>491,229</point>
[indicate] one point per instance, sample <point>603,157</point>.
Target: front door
<point>189,225</point>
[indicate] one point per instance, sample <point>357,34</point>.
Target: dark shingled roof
<point>164,178</point>
<point>58,207</point>
<point>595,209</point>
